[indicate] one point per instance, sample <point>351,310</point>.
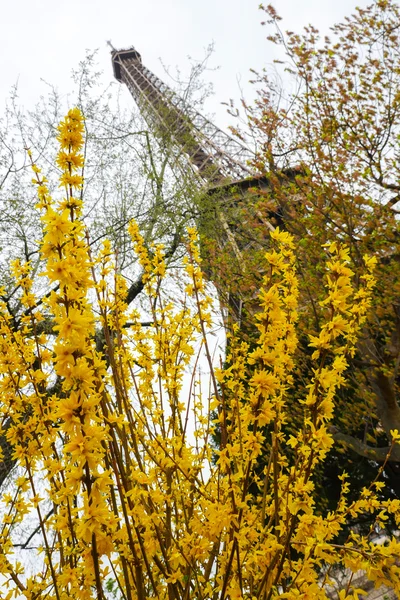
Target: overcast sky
<point>46,39</point>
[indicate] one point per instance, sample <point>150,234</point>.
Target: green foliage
<point>329,170</point>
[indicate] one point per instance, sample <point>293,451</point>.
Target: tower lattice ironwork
<point>214,155</point>
<point>221,162</point>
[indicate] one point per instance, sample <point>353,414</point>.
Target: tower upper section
<point>214,155</point>
<point>118,58</point>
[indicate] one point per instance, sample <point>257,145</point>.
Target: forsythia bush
<point>121,488</point>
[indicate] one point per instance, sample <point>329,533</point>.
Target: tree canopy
<point>329,151</point>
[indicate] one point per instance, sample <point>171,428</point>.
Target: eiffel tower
<point>220,163</point>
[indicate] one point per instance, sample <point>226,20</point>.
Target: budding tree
<point>330,149</point>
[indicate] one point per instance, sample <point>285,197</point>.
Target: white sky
<point>46,39</point>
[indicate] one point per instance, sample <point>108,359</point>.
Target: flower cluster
<point>121,472</point>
